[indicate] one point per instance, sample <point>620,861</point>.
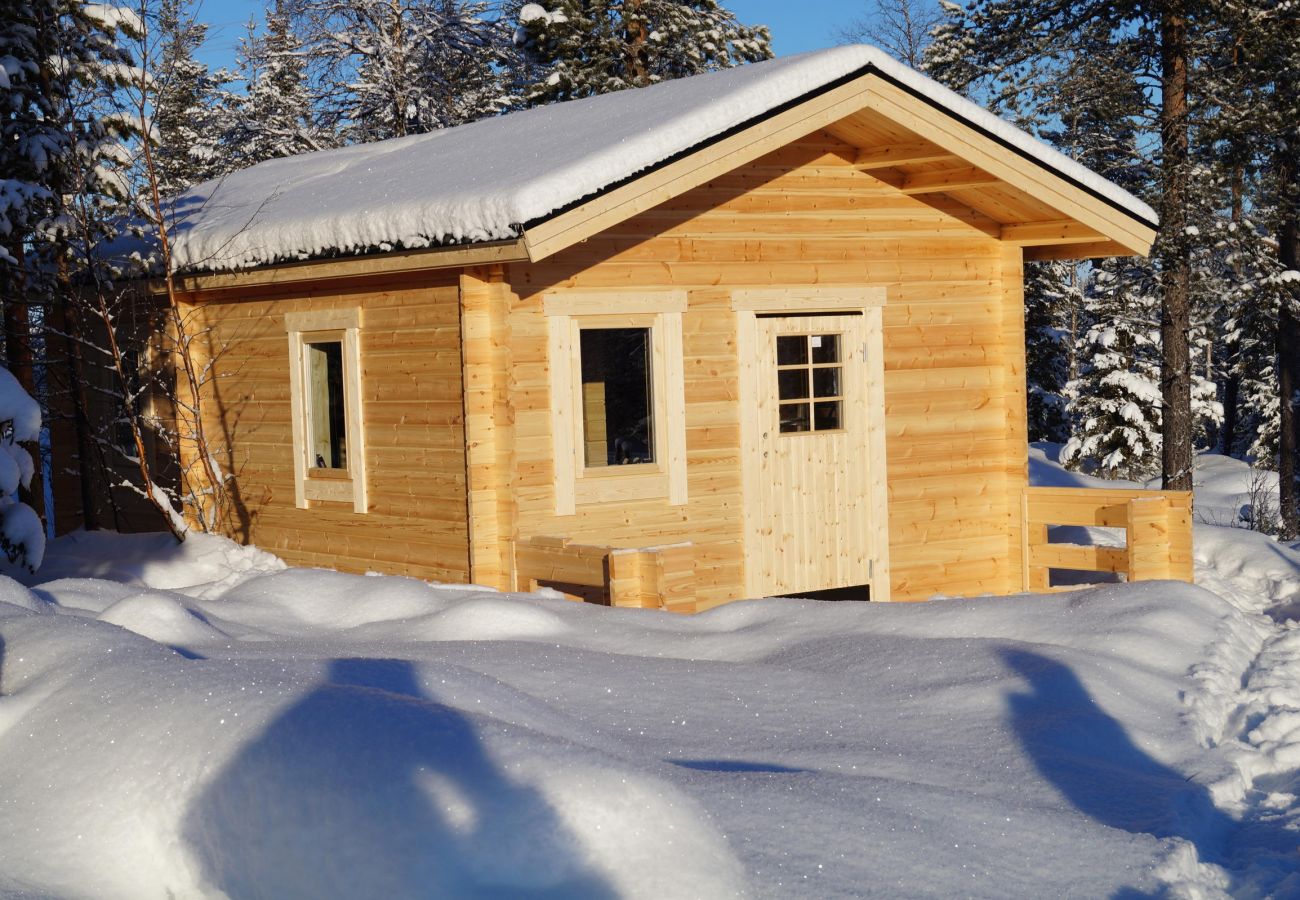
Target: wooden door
<point>812,522</point>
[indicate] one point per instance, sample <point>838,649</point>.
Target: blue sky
<point>797,25</point>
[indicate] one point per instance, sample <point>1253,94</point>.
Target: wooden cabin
<point>758,332</point>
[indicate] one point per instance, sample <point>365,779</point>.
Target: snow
<point>485,180</point>
<point>199,720</point>
<point>22,535</point>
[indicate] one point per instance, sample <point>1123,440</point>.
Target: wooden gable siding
<point>954,361</point>
<point>413,407</point>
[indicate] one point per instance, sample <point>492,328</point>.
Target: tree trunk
<point>1232,386</point>
<point>1175,317</point>
<point>635,37</point>
<point>86,455</point>
<point>1288,333</point>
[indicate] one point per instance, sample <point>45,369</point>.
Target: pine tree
<point>1053,302</point>
<point>586,47</point>
<point>185,120</point>
<point>273,117</point>
<point>1115,401</point>
<point>63,63</point>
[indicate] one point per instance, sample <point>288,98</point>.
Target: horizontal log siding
<point>805,216</point>
<point>413,410</point>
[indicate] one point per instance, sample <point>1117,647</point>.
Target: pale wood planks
<point>412,407</point>
<point>942,328</point>
<point>1158,526</point>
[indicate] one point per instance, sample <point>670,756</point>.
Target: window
<point>325,410</point>
<point>808,378</point>
<point>618,407</point>
<point>325,398</point>
<point>617,397</point>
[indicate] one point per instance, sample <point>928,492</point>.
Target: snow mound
<point>203,565</point>
<point>497,618</point>
<point>161,618</point>
<point>347,777</point>
<point>295,601</point>
<point>488,179</point>
<point>14,594</point>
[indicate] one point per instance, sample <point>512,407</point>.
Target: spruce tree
<point>185,120</point>
<point>1053,303</point>
<point>273,117</point>
<point>1115,401</point>
<point>584,47</point>
<point>64,155</point>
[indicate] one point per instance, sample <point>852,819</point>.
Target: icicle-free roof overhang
<point>527,185</point>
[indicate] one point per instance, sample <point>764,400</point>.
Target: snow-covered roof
<point>484,181</point>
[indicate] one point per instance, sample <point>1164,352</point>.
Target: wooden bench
<point>640,577</point>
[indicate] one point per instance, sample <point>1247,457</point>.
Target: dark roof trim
<point>869,69</point>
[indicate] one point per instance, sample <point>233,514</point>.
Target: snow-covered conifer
<point>273,117</point>
<point>185,120</point>
<point>1115,400</point>
<point>1053,306</point>
<point>22,536</point>
<point>586,47</point>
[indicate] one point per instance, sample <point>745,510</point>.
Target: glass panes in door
<point>809,379</point>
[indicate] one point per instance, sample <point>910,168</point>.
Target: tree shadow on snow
<point>1088,756</point>
<point>368,788</point>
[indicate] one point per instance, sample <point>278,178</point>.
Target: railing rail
<point>1157,525</point>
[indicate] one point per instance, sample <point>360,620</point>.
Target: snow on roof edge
<point>490,179</point>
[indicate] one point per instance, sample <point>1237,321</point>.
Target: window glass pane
<point>791,350</point>
<point>826,415</point>
<point>792,384</point>
<point>617,400</point>
<point>826,382</point>
<point>825,348</point>
<point>794,417</point>
<point>326,419</point>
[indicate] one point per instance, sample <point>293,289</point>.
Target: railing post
<point>1148,538</point>
<point>1033,534</point>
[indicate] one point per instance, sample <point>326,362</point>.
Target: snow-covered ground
<point>202,721</point>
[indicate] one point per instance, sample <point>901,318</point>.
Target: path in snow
<point>1246,705</point>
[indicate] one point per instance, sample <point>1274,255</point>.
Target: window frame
<point>575,483</point>
<point>310,483</point>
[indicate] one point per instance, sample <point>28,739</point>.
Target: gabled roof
<point>535,175</point>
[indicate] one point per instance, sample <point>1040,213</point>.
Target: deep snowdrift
<point>201,721</point>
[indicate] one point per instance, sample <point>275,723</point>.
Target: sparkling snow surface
<point>484,180</point>
<point>200,721</point>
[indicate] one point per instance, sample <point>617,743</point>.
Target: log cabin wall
<point>413,409</point>
<point>954,362</point>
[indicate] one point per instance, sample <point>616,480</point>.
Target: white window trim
<point>661,311</point>
<point>301,327</point>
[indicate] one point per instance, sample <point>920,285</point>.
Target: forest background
<point>108,112</point>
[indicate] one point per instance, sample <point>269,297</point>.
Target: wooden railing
<point>645,577</point>
<point>1157,525</point>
